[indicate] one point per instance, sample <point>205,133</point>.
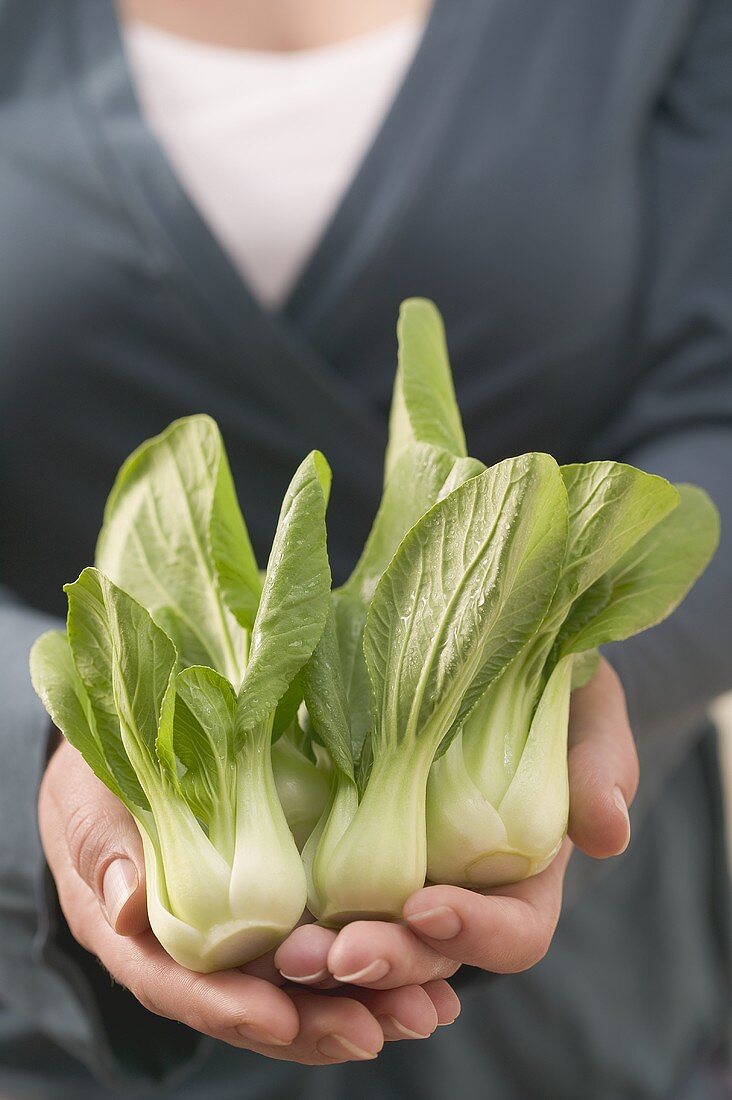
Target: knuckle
<point>189,1006</point>
<point>144,988</point>
<point>91,843</point>
<point>142,994</point>
<point>447,969</point>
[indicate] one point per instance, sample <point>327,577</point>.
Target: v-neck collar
<point>366,208</point>
<point>182,248</point>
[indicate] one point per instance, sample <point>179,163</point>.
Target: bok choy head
<point>467,587</point>
<point>411,724</point>
<point>498,800</point>
<point>168,681</point>
<point>498,795</point>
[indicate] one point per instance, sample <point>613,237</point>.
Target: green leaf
<point>288,707</point>
<point>203,732</point>
<point>142,661</point>
<point>203,741</point>
<point>421,476</point>
<point>234,561</point>
<point>295,597</point>
<point>155,541</point>
<point>95,652</point>
<point>584,668</point>
<point>350,620</point>
<point>326,700</point>
<point>611,507</point>
<point>651,579</point>
<point>468,586</point>
<point>59,687</point>
<point>424,409</point>
<point>164,740</point>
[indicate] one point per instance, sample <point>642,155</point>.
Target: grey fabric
<point>601,997</point>
<point>558,177</point>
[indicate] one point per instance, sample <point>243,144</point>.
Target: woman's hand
<point>387,978</point>
<point>503,930</point>
<point>95,855</point>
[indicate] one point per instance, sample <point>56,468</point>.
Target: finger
<point>406,1013</point>
<point>303,956</point>
<point>379,955</point>
<point>265,966</point>
<point>603,766</point>
<point>246,1011</point>
<point>446,1001</point>
<point>227,1005</point>
<point>411,1012</point>
<point>236,1008</point>
<point>505,931</point>
<point>335,1029</point>
<point>86,831</point>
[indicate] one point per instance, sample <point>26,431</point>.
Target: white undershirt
<point>266,143</point>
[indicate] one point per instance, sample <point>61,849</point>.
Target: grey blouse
<point>558,177</point>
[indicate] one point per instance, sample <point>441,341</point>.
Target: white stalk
<point>535,809</point>
<point>196,875</point>
<point>462,825</point>
<point>368,869</point>
<point>318,850</point>
<point>268,888</point>
<point>496,729</point>
<point>470,841</point>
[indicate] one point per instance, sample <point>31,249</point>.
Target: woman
<point>219,207</point>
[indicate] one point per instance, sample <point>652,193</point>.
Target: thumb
<point>603,766</point>
<point>101,839</point>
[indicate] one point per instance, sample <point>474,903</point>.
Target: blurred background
<point>722,715</point>
<point>218,206</point>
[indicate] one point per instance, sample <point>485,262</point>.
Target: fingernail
<point>619,800</point>
<point>335,1046</point>
<point>306,979</point>
<point>254,1034</point>
<point>394,1030</point>
<point>442,923</point>
<point>119,884</point>
<point>457,1009</point>
<point>376,970</point>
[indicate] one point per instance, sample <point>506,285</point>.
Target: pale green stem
<point>267,879</point>
<point>196,874</point>
<point>495,732</point>
<point>381,856</point>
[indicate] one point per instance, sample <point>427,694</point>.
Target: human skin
<point>262,25</point>
<point>325,996</point>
